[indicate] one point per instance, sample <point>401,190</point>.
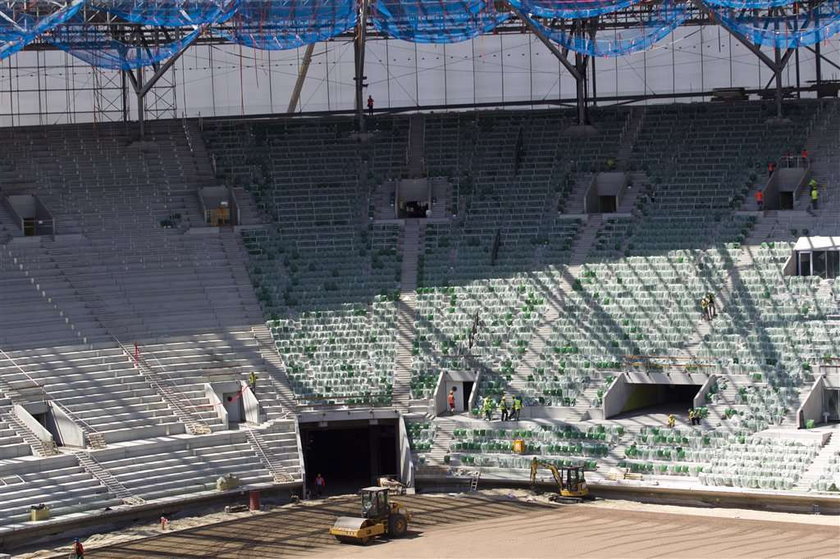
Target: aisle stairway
<point>406,311</point>
<point>828,455</point>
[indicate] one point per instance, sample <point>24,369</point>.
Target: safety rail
<point>166,376</point>
<point>187,132</point>
<point>260,447</point>
<point>94,438</point>
<point>194,426</point>
<point>42,447</point>
<point>105,477</point>
<point>12,392</point>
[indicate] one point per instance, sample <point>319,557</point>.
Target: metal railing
<point>258,444</point>
<point>194,426</point>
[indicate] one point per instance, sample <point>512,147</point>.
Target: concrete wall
<point>439,397</point>
<point>700,398</point>
<point>66,430</point>
<point>406,465</point>
<point>32,424</point>
<point>414,190</point>
<point>616,396</point>
<point>771,192</point>
<point>216,402</point>
<point>250,404</point>
<point>812,405</point>
<point>612,183</point>
<point>591,202</point>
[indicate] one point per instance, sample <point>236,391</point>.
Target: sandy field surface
<point>497,524</point>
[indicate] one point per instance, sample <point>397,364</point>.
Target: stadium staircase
<point>113,485</point>
<point>406,312</point>
<point>416,143</point>
<point>825,468</point>
<point>281,434</point>
<point>13,432</point>
<point>276,369</point>
<point>629,135</point>
<point>577,195</point>
<point>584,242</point>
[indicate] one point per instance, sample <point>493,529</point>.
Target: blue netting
<point>170,13</point>
<point>100,48</point>
<point>749,4</point>
<point>18,28</point>
<point>572,9</point>
<point>804,28</point>
<point>435,21</point>
<point>288,24</point>
<point>653,26</point>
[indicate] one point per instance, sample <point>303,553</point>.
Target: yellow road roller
<point>380,517</point>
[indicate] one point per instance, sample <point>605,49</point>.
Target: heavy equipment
<point>571,484</point>
<point>380,517</point>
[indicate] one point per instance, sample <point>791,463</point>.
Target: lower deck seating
<point>58,482</point>
<point>176,467</point>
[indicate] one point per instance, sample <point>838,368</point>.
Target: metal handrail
<point>29,378</point>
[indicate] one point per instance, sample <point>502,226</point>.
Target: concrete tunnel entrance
<point>350,454</point>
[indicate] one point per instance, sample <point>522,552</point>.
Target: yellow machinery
<point>571,485</point>
<point>379,517</point>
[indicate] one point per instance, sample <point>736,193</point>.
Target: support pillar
<point>779,66</point>
<point>581,62</point>
<point>304,69</point>
<point>359,49</point>
<point>562,57</point>
<point>141,102</point>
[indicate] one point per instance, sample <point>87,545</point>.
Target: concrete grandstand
<point>191,308</point>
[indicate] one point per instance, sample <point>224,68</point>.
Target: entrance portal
<point>349,454</point>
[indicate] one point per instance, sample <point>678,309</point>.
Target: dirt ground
<point>509,524</point>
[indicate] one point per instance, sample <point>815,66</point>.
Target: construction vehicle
<point>380,517</point>
<point>395,487</point>
<point>571,484</point>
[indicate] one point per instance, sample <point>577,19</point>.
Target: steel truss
<point>143,82</point>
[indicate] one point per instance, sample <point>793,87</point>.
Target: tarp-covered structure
<point>76,25</point>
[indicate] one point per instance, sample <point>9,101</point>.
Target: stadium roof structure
<point>130,35</point>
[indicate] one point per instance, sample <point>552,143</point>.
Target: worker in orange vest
<point>759,199</point>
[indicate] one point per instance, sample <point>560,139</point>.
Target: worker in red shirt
<point>370,105</point>
<point>78,550</point>
<point>770,168</point>
<point>320,485</point>
<point>759,199</point>
<point>804,154</point>
<point>450,399</point>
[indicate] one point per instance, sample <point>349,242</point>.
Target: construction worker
<point>771,167</point>
<point>504,407</point>
<point>370,105</point>
<point>320,485</point>
<point>704,306</point>
<point>672,420</point>
<point>815,194</point>
<point>450,400</point>
<point>759,199</point>
<point>691,416</point>
<point>517,407</point>
<point>487,408</point>
<point>78,550</point>
<point>710,297</point>
<point>252,382</point>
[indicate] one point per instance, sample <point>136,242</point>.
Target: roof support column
<point>304,69</point>
<point>142,88</point>
<point>359,44</point>
<point>563,57</point>
<point>776,64</point>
